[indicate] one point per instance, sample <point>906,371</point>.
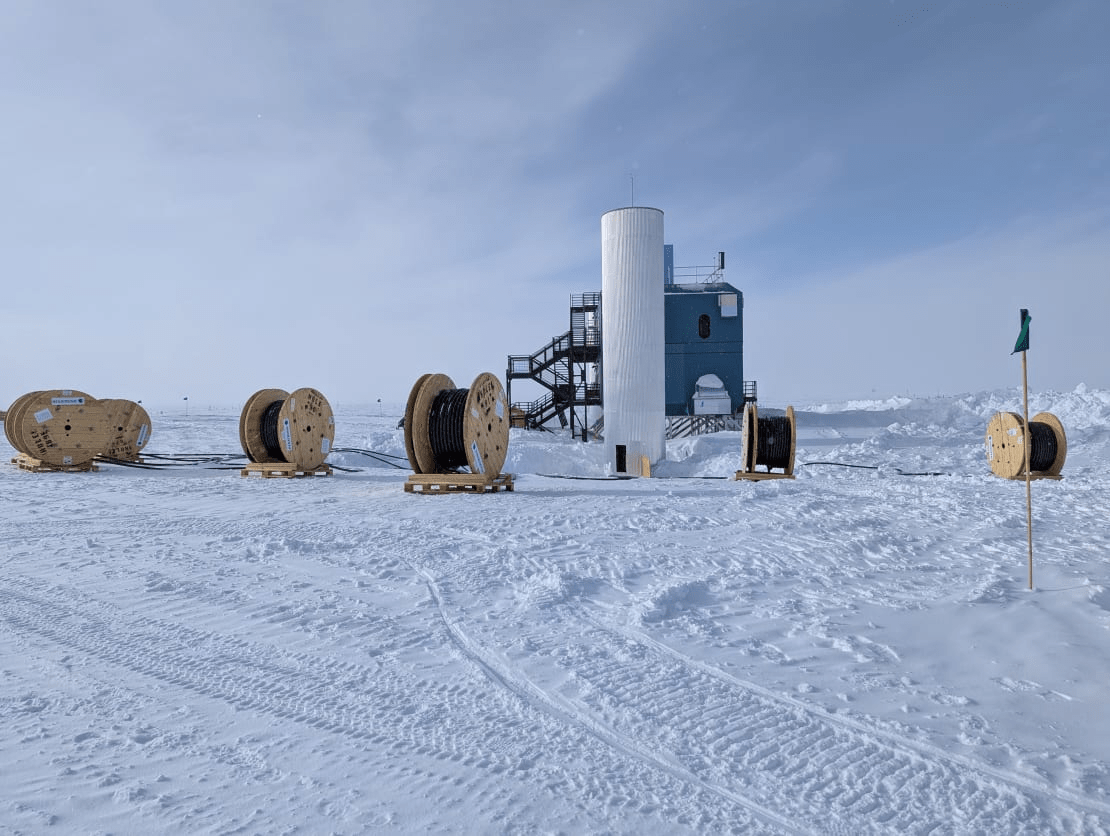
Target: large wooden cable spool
<point>448,428</point>
<point>61,427</point>
<point>767,443</point>
<point>1006,440</point>
<point>296,427</point>
<point>129,428</point>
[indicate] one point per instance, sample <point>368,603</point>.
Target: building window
<point>703,326</point>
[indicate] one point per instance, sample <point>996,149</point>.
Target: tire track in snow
<point>915,778</point>
<point>567,713</point>
<point>391,710</point>
<point>790,763</point>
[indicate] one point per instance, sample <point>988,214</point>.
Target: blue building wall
<point>701,338</point>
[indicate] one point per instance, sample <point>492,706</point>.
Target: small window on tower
<point>703,326</point>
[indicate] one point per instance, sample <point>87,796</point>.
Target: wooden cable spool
<point>448,428</point>
<point>302,425</point>
<point>129,428</point>
<point>1006,440</point>
<point>769,443</point>
<point>60,427</point>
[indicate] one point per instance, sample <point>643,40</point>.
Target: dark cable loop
<point>271,440</point>
<point>1042,446</point>
<point>773,443</point>
<point>445,430</point>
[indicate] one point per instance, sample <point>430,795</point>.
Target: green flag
<point>1022,343</point>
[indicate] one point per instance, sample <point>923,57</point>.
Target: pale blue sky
<point>210,198</point>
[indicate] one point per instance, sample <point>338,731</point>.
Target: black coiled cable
<point>445,430</point>
<point>271,439</point>
<point>1042,446</point>
<point>773,443</point>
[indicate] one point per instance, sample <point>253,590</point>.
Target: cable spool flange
<point>418,396</point>
<point>308,436</point>
<point>486,426</point>
<point>63,428</point>
<point>129,428</point>
<point>1005,445</point>
<point>294,427</point>
<point>14,419</point>
<point>417,421</point>
<point>749,437</point>
<point>445,426</point>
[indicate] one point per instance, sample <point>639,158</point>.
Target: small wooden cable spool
<point>60,428</point>
<point>287,429</point>
<point>129,425</point>
<point>1007,436</point>
<point>448,429</point>
<point>769,443</point>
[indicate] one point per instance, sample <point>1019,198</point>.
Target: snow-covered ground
<point>188,651</point>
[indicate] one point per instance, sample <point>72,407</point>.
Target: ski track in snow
<point>196,652</point>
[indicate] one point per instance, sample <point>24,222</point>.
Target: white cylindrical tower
<point>632,349</point>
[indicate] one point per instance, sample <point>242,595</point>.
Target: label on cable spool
<point>43,415</point>
<point>499,407</point>
<point>478,463</point>
<point>67,460</point>
<point>474,412</point>
<point>325,445</point>
<point>990,448</point>
<point>292,404</point>
<point>144,432</point>
<point>287,434</point>
<point>67,401</point>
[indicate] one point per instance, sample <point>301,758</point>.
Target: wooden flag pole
<point>1028,476</point>
<point>1022,345</point>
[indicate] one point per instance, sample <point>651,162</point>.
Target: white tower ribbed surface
<point>633,367</point>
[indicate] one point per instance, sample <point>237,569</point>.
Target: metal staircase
<point>568,367</point>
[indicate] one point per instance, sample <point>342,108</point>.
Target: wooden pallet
<point>758,476</point>
<point>457,483</point>
<point>284,470</point>
<point>25,462</point>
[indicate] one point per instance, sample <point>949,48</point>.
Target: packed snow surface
<point>184,650</point>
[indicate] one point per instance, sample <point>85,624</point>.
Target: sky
<point>205,199</point>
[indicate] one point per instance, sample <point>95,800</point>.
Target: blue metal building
<point>703,335</point>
